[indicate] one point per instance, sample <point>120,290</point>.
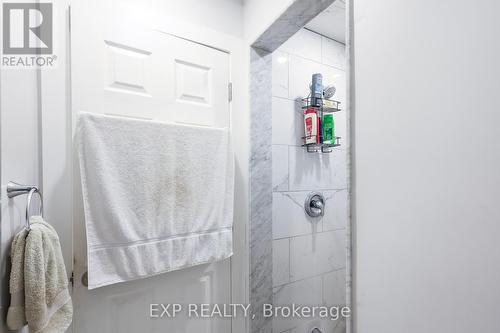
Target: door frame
<point>300,12</point>
<point>57,138</point>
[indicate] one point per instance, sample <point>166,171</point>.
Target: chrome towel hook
<point>14,189</point>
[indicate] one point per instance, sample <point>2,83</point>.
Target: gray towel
<point>16,317</point>
<point>47,302</point>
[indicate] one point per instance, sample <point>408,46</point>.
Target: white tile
<point>307,292</point>
<point>301,71</point>
<point>289,217</point>
<point>324,324</point>
<point>280,74</point>
<point>307,325</point>
<point>336,213</point>
<point>281,261</point>
<point>333,53</point>
<point>305,44</point>
<point>341,127</point>
<point>288,124</point>
<point>313,171</point>
<point>337,78</point>
<point>317,254</point>
<point>334,288</point>
<point>280,167</point>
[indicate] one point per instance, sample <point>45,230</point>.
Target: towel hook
<point>14,189</point>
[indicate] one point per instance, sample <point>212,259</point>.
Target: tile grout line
<point>316,62</point>
<point>311,234</point>
<point>338,269</point>
<point>309,190</point>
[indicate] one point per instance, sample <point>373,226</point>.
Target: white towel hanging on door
<point>157,197</point>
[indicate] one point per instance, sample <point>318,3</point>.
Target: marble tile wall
<point>261,253</point>
<point>309,254</point>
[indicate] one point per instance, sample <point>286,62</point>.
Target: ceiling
<point>331,22</point>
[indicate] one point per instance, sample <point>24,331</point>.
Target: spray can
<point>317,90</point>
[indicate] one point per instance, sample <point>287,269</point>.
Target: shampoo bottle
<point>328,129</point>
<point>311,126</point>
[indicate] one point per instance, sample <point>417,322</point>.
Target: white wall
<point>260,14</point>
<point>309,254</point>
<point>220,15</point>
<point>427,161</point>
<point>19,159</point>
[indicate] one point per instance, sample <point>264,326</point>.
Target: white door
<point>121,69</point>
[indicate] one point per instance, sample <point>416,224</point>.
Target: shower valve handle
<point>315,204</point>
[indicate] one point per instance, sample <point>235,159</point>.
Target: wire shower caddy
<point>331,106</point>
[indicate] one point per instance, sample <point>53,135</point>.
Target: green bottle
<point>328,129</point>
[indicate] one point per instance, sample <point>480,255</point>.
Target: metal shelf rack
<point>329,106</point>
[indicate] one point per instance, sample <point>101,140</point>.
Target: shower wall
<point>309,254</point>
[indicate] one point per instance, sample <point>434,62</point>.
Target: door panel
<point>125,307</point>
<point>146,74</point>
<point>153,75</point>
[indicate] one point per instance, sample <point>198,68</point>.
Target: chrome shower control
<point>315,204</point>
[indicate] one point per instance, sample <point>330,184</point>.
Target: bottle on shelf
<point>328,124</point>
<point>311,126</point>
<point>317,90</point>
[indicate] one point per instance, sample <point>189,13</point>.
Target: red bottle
<point>311,126</point>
